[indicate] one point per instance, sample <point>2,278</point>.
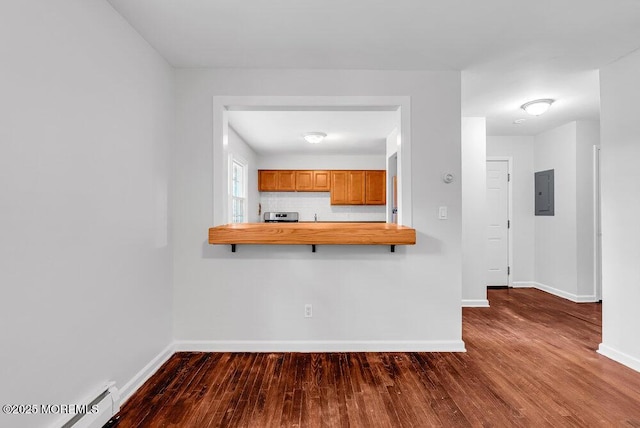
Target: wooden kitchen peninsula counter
<point>313,234</point>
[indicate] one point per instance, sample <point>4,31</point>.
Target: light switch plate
<point>442,213</point>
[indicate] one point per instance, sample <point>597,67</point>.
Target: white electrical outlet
<point>308,310</point>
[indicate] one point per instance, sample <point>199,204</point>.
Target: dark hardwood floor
<point>531,361</point>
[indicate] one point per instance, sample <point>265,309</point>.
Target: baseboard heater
<point>99,410</point>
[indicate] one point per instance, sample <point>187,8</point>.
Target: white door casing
<point>597,227</point>
<point>497,255</point>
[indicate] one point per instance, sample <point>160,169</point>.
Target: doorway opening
<point>224,106</point>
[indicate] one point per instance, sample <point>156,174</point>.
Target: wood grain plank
<point>210,388</point>
<point>232,397</point>
<point>340,390</point>
<point>248,397</point>
<point>313,233</point>
<point>287,392</point>
<point>165,398</point>
<point>394,391</point>
<point>269,376</point>
<point>179,410</point>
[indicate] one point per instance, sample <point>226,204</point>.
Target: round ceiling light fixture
<point>537,107</point>
<point>314,137</point>
<point>519,121</point>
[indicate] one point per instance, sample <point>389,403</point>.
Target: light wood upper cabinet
<point>286,181</point>
<point>356,187</point>
<point>321,181</point>
<point>270,180</point>
<point>339,188</point>
<point>313,181</point>
<point>376,186</point>
<point>304,181</point>
<point>267,180</point>
<point>347,187</point>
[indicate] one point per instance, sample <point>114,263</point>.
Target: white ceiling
<point>509,51</point>
<point>348,132</point>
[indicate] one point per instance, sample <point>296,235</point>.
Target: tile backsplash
<point>310,203</point>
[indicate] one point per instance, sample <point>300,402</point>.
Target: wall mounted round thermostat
<point>447,178</point>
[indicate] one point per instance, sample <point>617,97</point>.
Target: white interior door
<point>498,227</point>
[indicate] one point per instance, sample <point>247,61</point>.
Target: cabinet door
<point>267,180</point>
<point>321,181</point>
<point>304,181</point>
<point>286,181</point>
<point>356,187</point>
<point>347,187</point>
<point>339,188</point>
<point>376,187</point>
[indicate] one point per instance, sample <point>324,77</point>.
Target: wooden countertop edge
<point>312,234</point>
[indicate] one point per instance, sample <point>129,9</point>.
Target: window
<point>238,191</point>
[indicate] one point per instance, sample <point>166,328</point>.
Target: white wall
<point>239,147</point>
<point>555,236</point>
<point>587,136</point>
<point>293,161</point>
<point>520,150</point>
<point>564,243</point>
<point>87,113</point>
<point>474,203</point>
<point>620,180</point>
<point>407,299</point>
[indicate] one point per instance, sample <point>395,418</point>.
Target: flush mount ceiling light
<point>314,137</point>
<point>537,107</point>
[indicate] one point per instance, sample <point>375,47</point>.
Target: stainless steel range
<point>280,217</point>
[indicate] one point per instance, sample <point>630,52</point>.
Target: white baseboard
<point>468,303</point>
<point>524,284</point>
<point>620,357</point>
<point>106,400</point>
<point>147,371</point>
<point>320,346</point>
<point>577,298</point>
